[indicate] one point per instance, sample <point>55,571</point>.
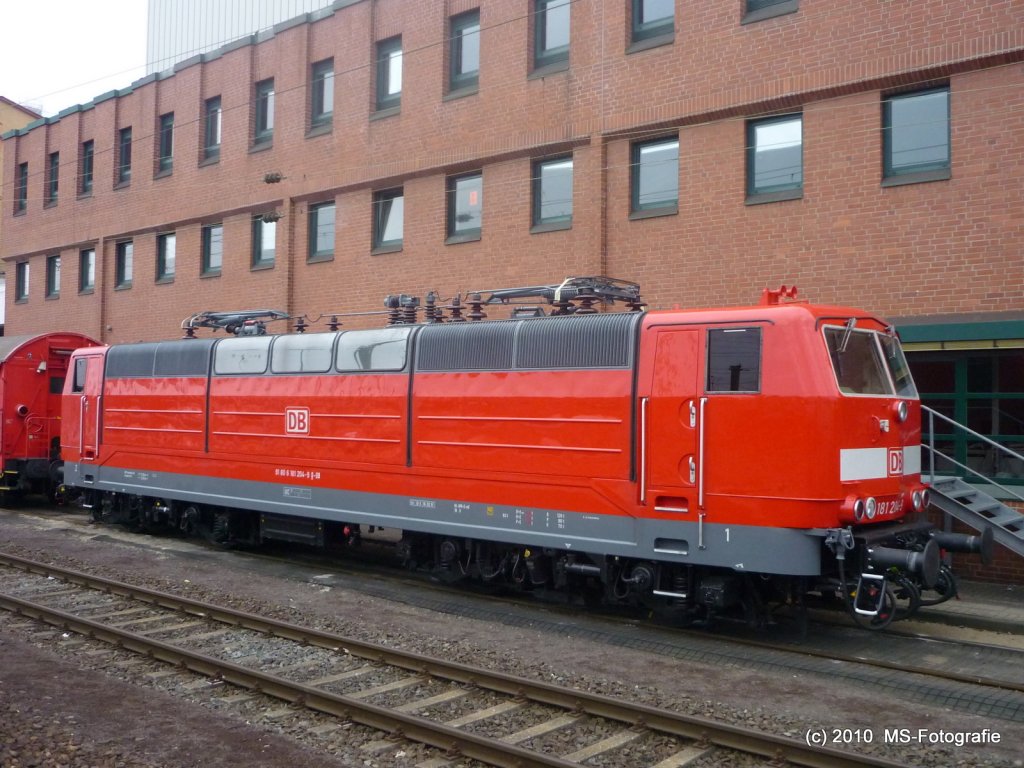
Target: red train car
<point>697,461</point>
<point>32,371</point>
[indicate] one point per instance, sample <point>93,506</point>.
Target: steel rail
<point>701,729</point>
<point>942,674</point>
<point>825,617</point>
<point>397,724</point>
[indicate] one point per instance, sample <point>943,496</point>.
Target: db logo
<point>296,422</point>
<point>895,462</point>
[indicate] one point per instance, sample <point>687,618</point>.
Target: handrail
<point>933,451</point>
<point>987,480</point>
<point>978,435</point>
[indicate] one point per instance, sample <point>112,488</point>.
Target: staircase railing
<point>933,452</point>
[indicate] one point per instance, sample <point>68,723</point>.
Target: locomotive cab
<point>895,548</point>
<point>880,457</point>
<point>32,373</point>
<point>783,440</point>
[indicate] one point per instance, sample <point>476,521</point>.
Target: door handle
<point>643,450</point>
<point>700,452</point>
<point>84,403</point>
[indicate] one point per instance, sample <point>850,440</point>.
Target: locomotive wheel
<point>945,587</point>
<point>221,530</point>
<point>187,522</point>
<point>884,617</point>
<point>908,597</point>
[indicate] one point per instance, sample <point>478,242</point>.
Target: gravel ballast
<point>53,712</point>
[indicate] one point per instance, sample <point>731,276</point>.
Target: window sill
<point>21,301</point>
<point>320,129</point>
<point>163,174</point>
<point>382,249</point>
<point>82,196</point>
<point>165,280</point>
<point>261,146</point>
<point>780,9</point>
<point>87,292</point>
<point>655,41</point>
<point>461,92</point>
<point>466,237</point>
<point>774,197</point>
<point>122,185</point>
<point>212,160</point>
<point>653,213</point>
<point>259,266</point>
<point>544,70</point>
<point>321,257</point>
<point>551,226</point>
<point>53,297</point>
<point>939,174</point>
<point>209,273</point>
<point>122,287</point>
<point>22,212</point>
<point>381,114</point>
<point>49,204</point>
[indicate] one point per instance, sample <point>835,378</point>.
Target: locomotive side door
<point>669,422</point>
<point>87,387</point>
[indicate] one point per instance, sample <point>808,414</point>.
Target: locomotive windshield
<point>897,365</point>
<point>868,363</point>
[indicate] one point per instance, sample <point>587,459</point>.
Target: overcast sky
<point>56,53</point>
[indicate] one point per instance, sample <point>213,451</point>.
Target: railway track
<point>894,650</point>
<point>462,711</point>
<point>929,669</point>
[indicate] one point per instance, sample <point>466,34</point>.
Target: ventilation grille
<point>466,347</point>
<point>591,341</point>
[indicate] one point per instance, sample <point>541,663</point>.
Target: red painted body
<point>605,442</point>
<point>32,372</point>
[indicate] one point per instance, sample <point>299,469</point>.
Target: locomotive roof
<point>755,312</point>
<point>11,344</point>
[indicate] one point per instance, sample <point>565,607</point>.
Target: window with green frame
<point>389,73</point>
<point>652,18</point>
<point>916,136</point>
<point>654,175</point>
<point>321,232</point>
<point>775,165</point>
<point>464,51</point>
<point>984,390</point>
<point>551,20</point>
<point>759,10</point>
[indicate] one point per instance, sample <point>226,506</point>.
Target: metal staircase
<point>966,501</point>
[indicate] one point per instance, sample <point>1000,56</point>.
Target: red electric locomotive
<point>32,370</point>
<point>697,461</point>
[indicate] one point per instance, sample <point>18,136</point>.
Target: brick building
<point>871,153</point>
<point>12,117</point>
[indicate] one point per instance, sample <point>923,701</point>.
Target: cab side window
<point>78,385</point>
<point>734,360</point>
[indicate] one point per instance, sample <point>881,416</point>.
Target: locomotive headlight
<point>858,510</point>
<point>902,411</point>
<point>870,507</point>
